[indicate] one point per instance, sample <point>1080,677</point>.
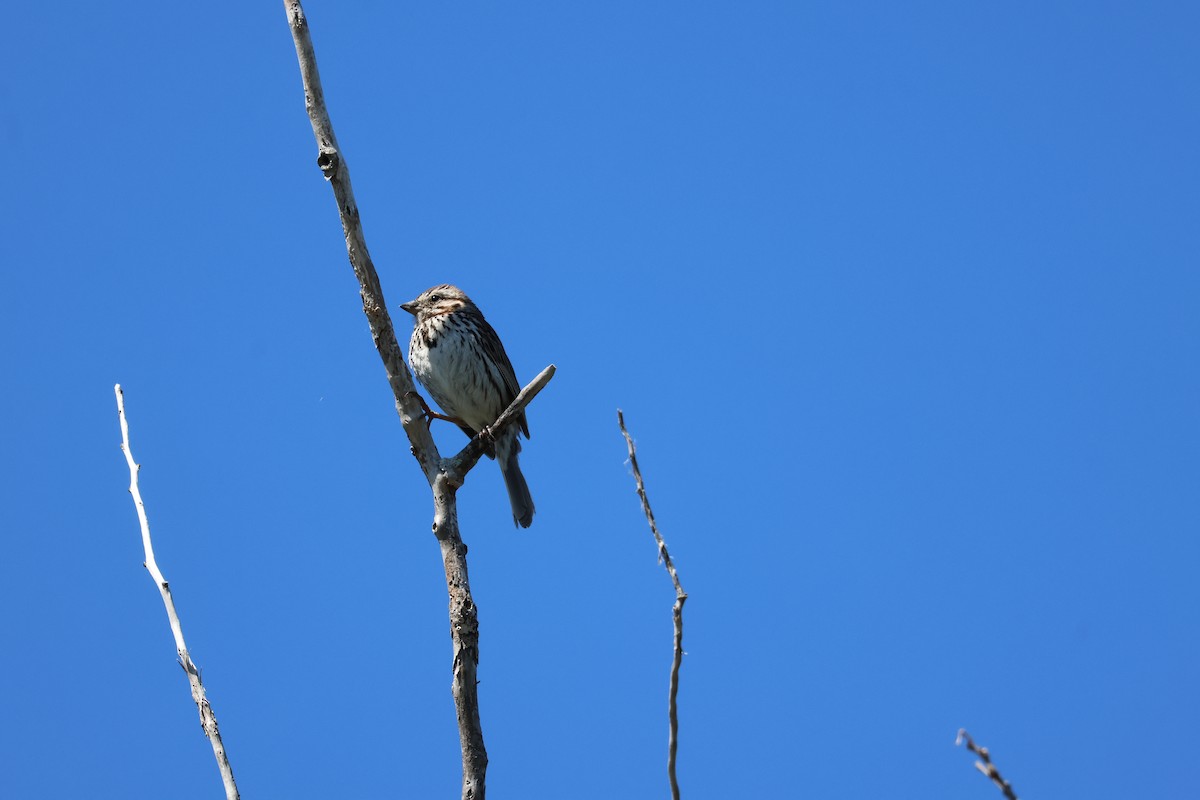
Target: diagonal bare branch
<point>445,476</point>
<point>464,619</point>
<point>208,720</point>
<point>333,165</point>
<point>676,611</point>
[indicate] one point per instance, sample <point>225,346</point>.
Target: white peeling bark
<point>208,720</point>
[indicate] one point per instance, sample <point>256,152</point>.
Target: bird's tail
<point>514,481</point>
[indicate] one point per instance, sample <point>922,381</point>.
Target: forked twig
<point>984,764</point>
<point>676,610</point>
<point>208,720</point>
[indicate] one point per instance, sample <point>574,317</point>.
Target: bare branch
<point>208,720</point>
<point>676,611</point>
<point>464,622</point>
<point>445,476</point>
<point>333,165</point>
<point>984,764</point>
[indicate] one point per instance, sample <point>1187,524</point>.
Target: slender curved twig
<point>676,611</point>
<point>208,720</point>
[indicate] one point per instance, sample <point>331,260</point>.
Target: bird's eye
<point>436,298</point>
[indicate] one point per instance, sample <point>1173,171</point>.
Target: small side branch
<point>676,611</point>
<point>984,764</point>
<point>458,466</point>
<point>208,720</point>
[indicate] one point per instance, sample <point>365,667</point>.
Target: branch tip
<point>985,764</point>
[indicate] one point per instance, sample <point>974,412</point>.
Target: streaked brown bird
<point>458,357</point>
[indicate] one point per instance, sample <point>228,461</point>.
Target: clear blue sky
<point>900,301</point>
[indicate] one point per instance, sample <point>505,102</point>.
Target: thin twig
<point>676,611</point>
<point>984,764</point>
<point>208,720</point>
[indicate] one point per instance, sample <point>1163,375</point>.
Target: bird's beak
<point>410,307</point>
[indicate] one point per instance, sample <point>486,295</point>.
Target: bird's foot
<point>485,436</point>
<point>430,415</point>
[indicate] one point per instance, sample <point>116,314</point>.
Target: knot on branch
<point>329,161</point>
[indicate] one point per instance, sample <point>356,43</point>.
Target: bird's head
<point>444,299</point>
